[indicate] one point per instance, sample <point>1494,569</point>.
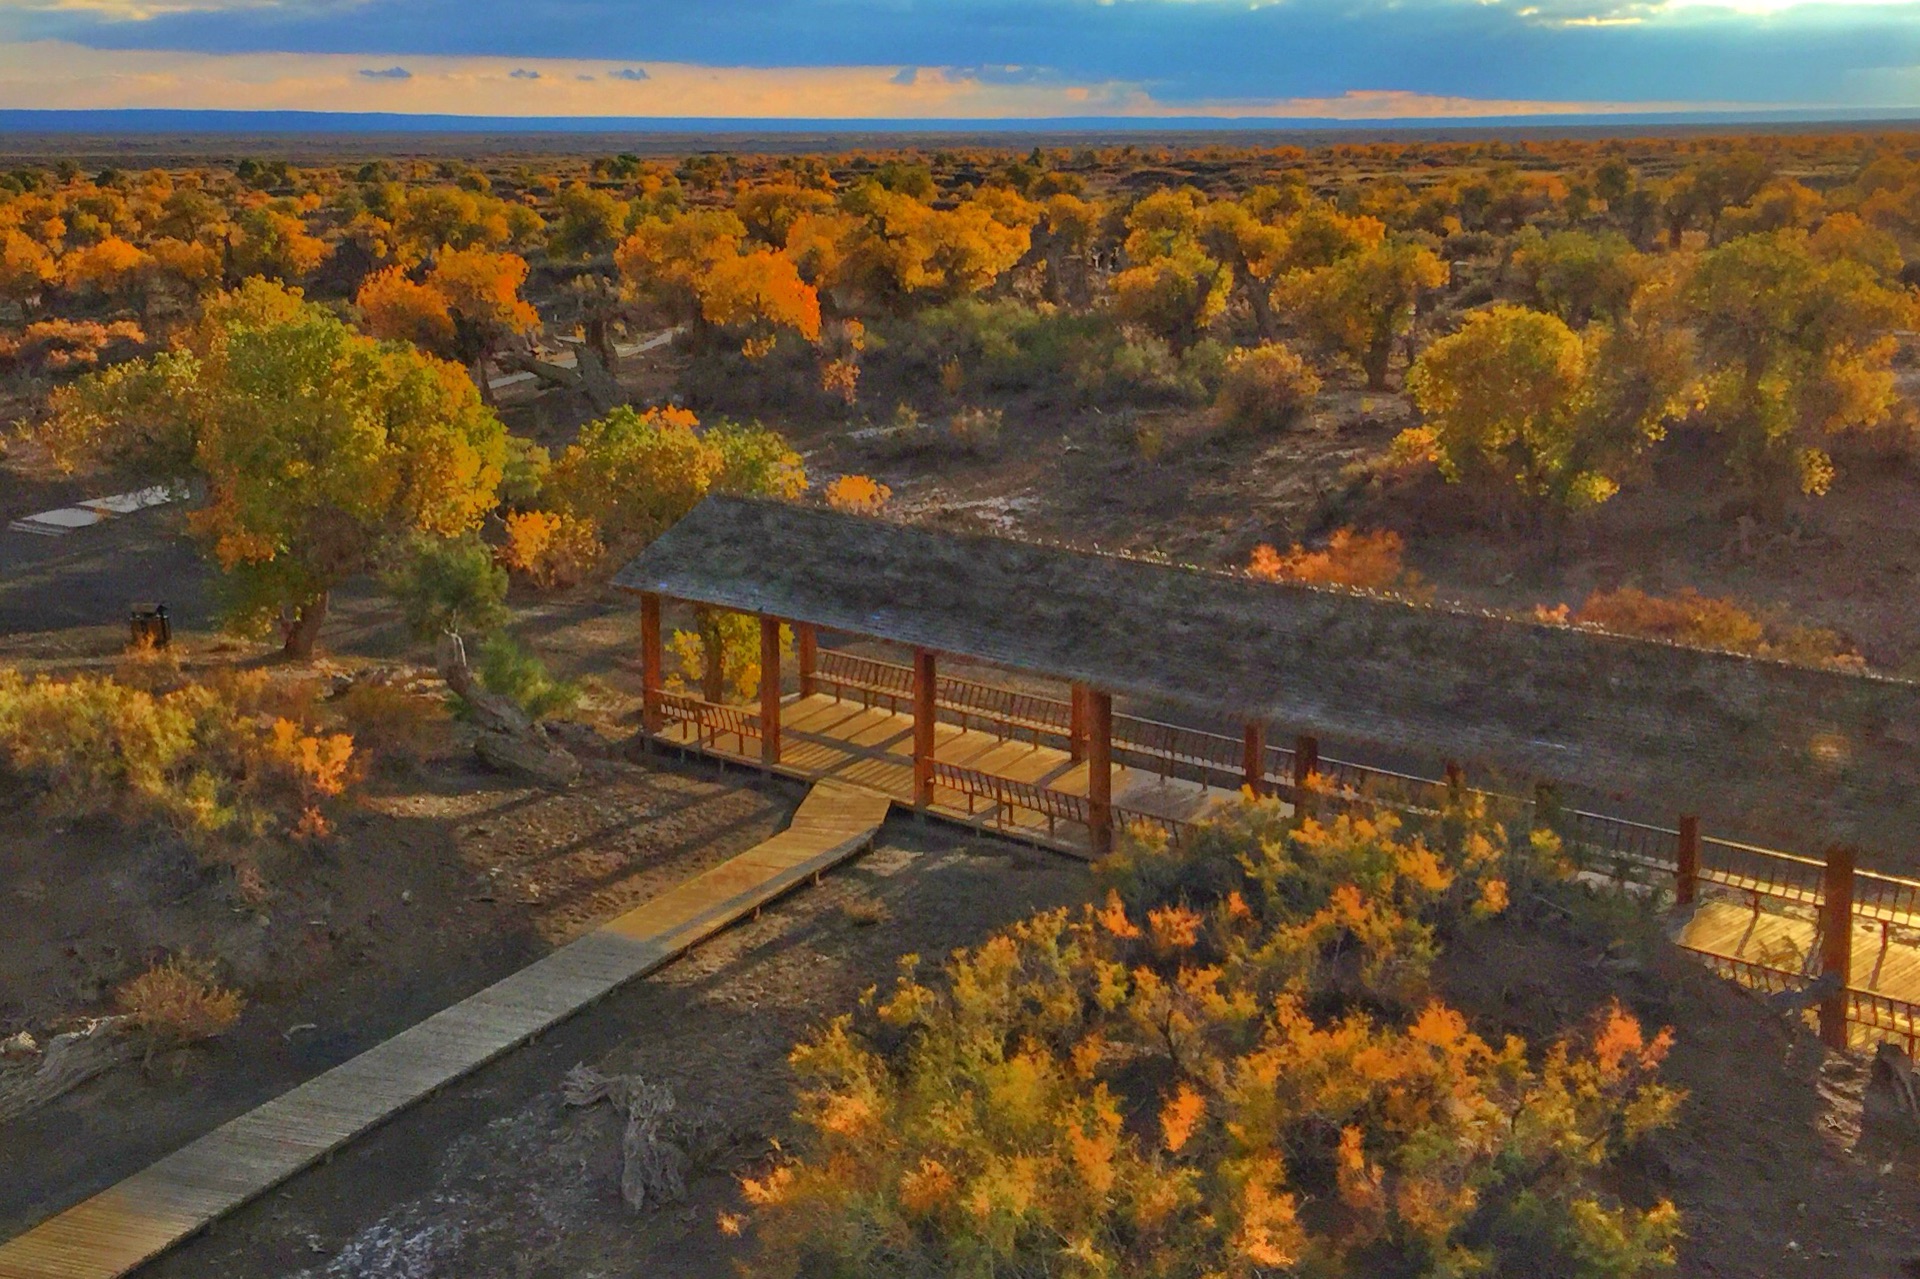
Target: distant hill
<point>98,123</point>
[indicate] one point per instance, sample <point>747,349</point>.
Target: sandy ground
<point>497,1176</point>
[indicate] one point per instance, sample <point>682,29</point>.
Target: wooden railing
<point>711,721</point>
<point>1601,843</point>
<point>1005,798</point>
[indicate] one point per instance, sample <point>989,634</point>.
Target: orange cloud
<point>57,74</point>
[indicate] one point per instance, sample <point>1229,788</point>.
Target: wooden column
<point>1686,870</point>
<point>1306,762</point>
<point>1836,942</point>
<point>1100,770</point>
<point>1456,780</point>
<point>924,711</point>
<point>769,690</point>
<point>1253,758</point>
<point>1077,725</point>
<point>651,662</point>
<point>808,640</point>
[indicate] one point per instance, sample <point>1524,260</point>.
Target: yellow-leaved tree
<point>319,449</point>
<point>1361,305</point>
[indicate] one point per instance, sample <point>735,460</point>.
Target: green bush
<point>448,584</point>
<point>512,670</point>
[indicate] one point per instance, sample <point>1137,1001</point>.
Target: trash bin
<point>149,626</point>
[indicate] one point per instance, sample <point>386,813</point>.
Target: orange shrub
<point>552,551</point>
<point>1350,558</point>
<point>1233,1067</point>
<point>1706,621</point>
<point>858,495</point>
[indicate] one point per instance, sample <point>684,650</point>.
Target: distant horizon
<point>143,121</point>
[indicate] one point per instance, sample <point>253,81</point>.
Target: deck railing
<point>1600,843</point>
<point>1005,799</point>
<point>712,722</point>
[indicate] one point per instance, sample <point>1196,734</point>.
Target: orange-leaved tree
<point>320,449</point>
<point>466,308</point>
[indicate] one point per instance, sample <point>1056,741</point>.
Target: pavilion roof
<point>1766,747</point>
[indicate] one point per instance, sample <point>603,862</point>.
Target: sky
<point>962,59</point>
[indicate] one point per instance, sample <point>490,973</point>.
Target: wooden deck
<point>872,747</point>
<point>1776,943</point>
<point>130,1223</point>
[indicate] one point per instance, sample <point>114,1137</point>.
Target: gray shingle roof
<point>1770,749</point>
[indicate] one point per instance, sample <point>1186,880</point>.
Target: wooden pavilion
<point>1208,666</point>
<point>1773,750</point>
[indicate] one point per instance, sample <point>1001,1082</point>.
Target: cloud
<point>630,73</point>
<point>906,75</point>
<point>52,74</point>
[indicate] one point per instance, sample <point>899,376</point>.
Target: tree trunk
<point>1378,357</point>
<point>478,368</point>
<point>596,378</point>
<point>298,635</point>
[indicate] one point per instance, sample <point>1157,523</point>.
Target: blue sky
<point>950,58</point>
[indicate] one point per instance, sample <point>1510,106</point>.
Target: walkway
<point>977,775</point>
<point>130,1223</point>
<point>1773,950</point>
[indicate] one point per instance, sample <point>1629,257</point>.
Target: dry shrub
<point>1371,561</point>
<point>1234,1066</point>
<point>179,1003</point>
<point>69,346</point>
<point>552,550</point>
<point>222,760</point>
<point>1706,621</point>
<point>1265,388</point>
<point>841,380</point>
<point>974,431</point>
<point>858,495</point>
<point>396,728</point>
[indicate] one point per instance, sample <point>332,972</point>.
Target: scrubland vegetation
<point>1234,1064</point>
<point>1543,318</point>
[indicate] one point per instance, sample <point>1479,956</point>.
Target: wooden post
<point>1306,759</point>
<point>1077,725</point>
<point>769,690</point>
<point>1100,770</point>
<point>651,662</point>
<point>1456,780</point>
<point>924,685</point>
<point>1686,871</point>
<point>1253,758</point>
<point>1836,942</point>
<point>809,642</point>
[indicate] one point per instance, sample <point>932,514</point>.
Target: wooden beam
<point>651,662</point>
<point>1836,942</point>
<point>1686,875</point>
<point>1077,724</point>
<point>769,690</point>
<point>1253,758</point>
<point>1100,769</point>
<point>924,712</point>
<point>808,639</point>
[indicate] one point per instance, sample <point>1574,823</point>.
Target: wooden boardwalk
<point>129,1223</point>
<point>872,747</point>
<point>1781,944</point>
